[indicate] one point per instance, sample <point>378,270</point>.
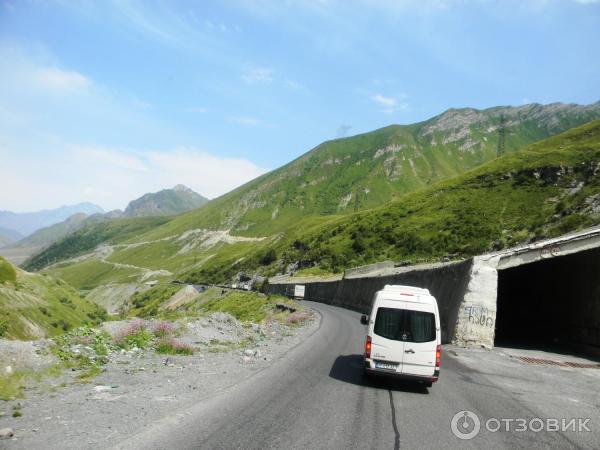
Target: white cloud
<point>293,84</point>
<point>208,174</point>
<point>196,109</point>
<point>390,104</point>
<point>62,80</point>
<point>256,75</point>
<point>64,138</point>
<point>246,120</point>
<point>383,100</point>
<point>110,157</point>
<point>111,177</point>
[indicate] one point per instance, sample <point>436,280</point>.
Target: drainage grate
<point>549,362</point>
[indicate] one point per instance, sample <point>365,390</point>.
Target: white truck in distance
<point>403,334</point>
<point>299,291</point>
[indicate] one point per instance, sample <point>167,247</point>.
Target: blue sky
<point>104,101</point>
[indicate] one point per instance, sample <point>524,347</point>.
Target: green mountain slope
<point>368,170</point>
<point>89,237</point>
<point>308,195</point>
<point>167,202</point>
<point>35,305</point>
<point>548,189</point>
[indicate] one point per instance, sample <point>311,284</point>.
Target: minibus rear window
<point>405,325</point>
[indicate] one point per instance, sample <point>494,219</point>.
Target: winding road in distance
<point>316,398</point>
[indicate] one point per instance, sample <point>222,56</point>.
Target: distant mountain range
<point>26,223</point>
<point>8,236</point>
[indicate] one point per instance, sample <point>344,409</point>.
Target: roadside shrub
<point>67,302</point>
<point>297,318</point>
<point>162,328</point>
<point>3,327</point>
<point>98,315</point>
<point>173,347</point>
<point>268,257</point>
<point>62,324</point>
<point>136,334</point>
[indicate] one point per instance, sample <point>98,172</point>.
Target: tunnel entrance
<point>552,304</point>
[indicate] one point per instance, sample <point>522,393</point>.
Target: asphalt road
<point>316,398</point>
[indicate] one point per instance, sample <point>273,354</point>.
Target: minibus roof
<point>406,289</point>
<point>406,294</point>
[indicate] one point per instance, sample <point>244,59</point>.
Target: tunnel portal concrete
<point>551,304</point>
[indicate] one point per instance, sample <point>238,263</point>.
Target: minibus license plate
<point>385,365</point>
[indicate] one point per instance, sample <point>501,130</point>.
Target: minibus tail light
<point>368,347</point>
<point>438,355</point>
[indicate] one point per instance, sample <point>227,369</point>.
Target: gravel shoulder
<point>139,388</point>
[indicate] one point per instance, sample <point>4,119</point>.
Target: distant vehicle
<point>403,335</point>
<point>299,291</point>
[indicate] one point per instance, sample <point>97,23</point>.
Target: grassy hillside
<point>368,170</point>
<point>34,305</point>
<point>309,197</point>
<point>88,238</point>
<point>548,189</point>
<point>7,271</point>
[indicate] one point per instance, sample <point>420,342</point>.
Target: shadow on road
<point>349,369</point>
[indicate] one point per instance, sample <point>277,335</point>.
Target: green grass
<point>7,271</point>
<point>13,385</point>
<point>313,272</point>
<point>137,335</point>
<point>244,306</point>
<point>39,305</point>
<point>89,274</point>
<point>152,302</point>
<point>88,238</point>
<point>148,303</point>
<point>173,347</point>
<point>248,306</point>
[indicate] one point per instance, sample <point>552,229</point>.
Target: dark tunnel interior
<point>552,304</point>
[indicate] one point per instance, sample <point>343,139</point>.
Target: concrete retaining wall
<point>446,282</point>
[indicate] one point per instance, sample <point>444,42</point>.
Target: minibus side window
<point>405,325</point>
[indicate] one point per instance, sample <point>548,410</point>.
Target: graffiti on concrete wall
<point>549,251</point>
<point>480,315</point>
